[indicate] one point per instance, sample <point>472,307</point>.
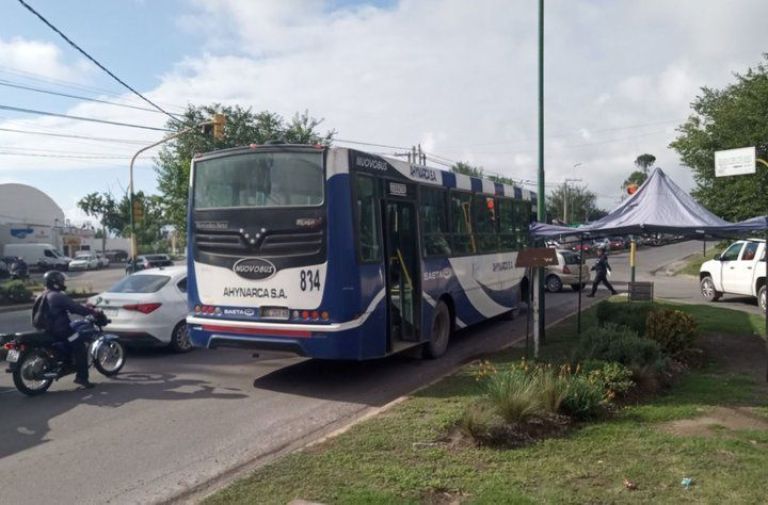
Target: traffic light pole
<point>134,244</point>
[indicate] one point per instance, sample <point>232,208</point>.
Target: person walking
<point>601,269</point>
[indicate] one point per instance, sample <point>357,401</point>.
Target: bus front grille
<point>272,244</point>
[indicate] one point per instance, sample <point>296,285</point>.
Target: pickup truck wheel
<point>761,298</point>
<point>708,290</point>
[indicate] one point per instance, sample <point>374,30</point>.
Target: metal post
<point>565,202</point>
<point>134,244</point>
<point>632,259</point>
<point>541,213</point>
<point>765,252</point>
<point>581,267</point>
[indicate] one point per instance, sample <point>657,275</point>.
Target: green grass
<point>384,460</point>
<point>694,262</point>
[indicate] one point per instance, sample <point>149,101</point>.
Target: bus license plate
<point>275,313</point>
<point>13,356</point>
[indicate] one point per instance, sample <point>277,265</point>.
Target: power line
<point>72,136</point>
<point>81,118</point>
<point>10,84</point>
<point>368,144</point>
<point>81,51</point>
<point>44,79</point>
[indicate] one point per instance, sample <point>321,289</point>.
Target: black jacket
<point>602,267</point>
<point>59,307</point>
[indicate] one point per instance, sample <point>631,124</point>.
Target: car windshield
<point>570,258</point>
<point>140,284</point>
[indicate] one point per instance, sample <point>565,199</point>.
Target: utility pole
<point>541,214</point>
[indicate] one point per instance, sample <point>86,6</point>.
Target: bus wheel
<point>441,332</point>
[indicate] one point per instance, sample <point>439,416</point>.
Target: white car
<point>103,260</point>
<point>84,261</point>
<point>149,308</point>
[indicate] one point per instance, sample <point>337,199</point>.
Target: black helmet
<point>55,280</point>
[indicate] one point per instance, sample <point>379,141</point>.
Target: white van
<point>42,256</point>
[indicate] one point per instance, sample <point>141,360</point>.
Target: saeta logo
<point>254,268</point>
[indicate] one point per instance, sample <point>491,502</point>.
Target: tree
<point>581,204</point>
<point>644,162</point>
<point>637,177</point>
<point>724,119</point>
<point>243,127</point>
<point>103,207</point>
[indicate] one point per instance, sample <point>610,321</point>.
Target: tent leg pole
<point>632,259</point>
<point>581,267</point>
<point>765,253</point>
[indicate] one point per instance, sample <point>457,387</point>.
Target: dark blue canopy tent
<point>658,206</point>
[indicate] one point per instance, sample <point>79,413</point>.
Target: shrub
<point>15,292</point>
<point>584,398</point>
<point>632,315</point>
<point>616,343</point>
<point>615,377</point>
<point>514,395</point>
<point>674,330</point>
<point>478,420</point>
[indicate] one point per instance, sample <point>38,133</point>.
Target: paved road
<point>172,422</point>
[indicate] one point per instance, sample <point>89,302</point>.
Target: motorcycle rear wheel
<point>110,358</point>
<point>30,365</point>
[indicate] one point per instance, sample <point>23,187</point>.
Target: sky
<point>457,77</point>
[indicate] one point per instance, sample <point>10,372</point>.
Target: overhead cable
<point>92,59</point>
<point>72,136</point>
<point>81,118</point>
<point>10,84</point>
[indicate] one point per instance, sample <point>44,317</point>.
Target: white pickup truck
<point>739,270</point>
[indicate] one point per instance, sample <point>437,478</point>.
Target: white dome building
<point>27,215</point>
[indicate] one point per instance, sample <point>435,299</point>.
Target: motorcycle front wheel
<point>109,358</point>
<point>27,376</point>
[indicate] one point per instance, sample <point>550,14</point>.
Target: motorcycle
<point>36,359</point>
<point>18,269</point>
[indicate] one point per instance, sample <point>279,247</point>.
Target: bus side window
<point>508,217</point>
<point>522,223</point>
<point>462,241</point>
<point>484,224</point>
<point>367,221</point>
<point>434,222</point>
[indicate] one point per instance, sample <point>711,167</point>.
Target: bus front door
<point>403,289</point>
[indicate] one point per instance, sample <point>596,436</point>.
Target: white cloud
<point>460,77</point>
<point>41,58</point>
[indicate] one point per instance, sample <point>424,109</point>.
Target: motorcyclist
<point>60,305</point>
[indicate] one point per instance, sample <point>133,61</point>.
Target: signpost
<point>735,162</point>
<point>535,260</point>
<point>743,161</point>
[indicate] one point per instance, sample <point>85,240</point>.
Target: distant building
<point>27,215</point>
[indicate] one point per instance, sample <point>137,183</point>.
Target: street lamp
<point>217,123</point>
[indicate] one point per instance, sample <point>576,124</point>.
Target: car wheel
<point>708,290</point>
<point>761,298</point>
<point>180,341</point>
<point>554,284</point>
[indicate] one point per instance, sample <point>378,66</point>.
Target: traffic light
<point>219,120</point>
<point>631,189</point>
<point>138,211</point>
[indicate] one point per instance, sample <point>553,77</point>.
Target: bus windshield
<point>259,179</point>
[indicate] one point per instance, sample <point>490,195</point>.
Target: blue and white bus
<point>335,253</point>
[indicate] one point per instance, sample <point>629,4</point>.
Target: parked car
<point>601,242</point>
<point>40,256</point>
<point>116,255</point>
<point>84,260</point>
<point>566,272</point>
<point>103,260</point>
<point>155,260</point>
<point>616,243</point>
<point>149,308</point>
<point>585,248</point>
<point>739,270</point>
